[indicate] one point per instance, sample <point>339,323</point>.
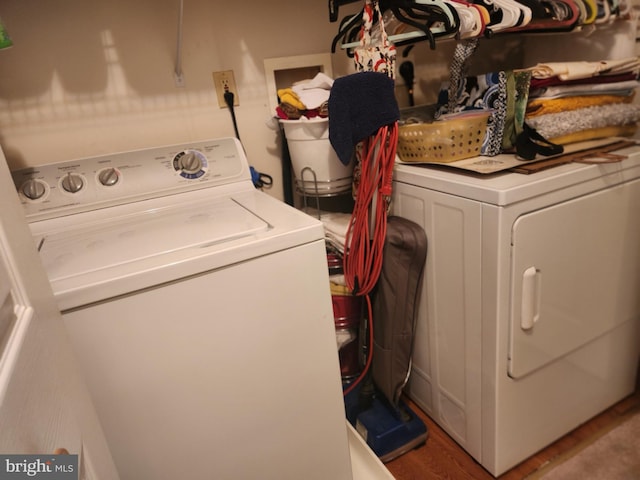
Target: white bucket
<point>316,167</point>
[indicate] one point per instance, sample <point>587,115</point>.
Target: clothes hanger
<point>436,18</point>
<point>401,31</point>
<point>516,13</point>
<point>421,10</point>
<point>511,15</point>
<point>432,19</point>
<point>444,6</point>
<point>471,20</point>
<point>349,33</point>
<point>493,12</point>
<point>562,16</point>
<point>349,28</point>
<point>334,5</point>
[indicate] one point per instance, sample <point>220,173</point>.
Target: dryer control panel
<point>114,179</point>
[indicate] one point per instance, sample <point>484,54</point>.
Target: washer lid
<point>138,236</point>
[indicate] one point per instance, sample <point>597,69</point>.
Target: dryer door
<point>575,275</point>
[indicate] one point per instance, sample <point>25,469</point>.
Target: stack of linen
<point>578,101</point>
<point>307,98</point>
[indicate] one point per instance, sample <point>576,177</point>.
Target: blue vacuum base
<point>389,431</point>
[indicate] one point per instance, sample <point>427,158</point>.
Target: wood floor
<point>442,458</point>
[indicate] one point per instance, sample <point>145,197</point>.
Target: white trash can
<point>316,167</point>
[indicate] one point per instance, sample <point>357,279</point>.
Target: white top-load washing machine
<point>528,322</point>
<point>199,309</point>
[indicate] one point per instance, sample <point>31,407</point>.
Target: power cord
<point>260,180</point>
<point>228,98</point>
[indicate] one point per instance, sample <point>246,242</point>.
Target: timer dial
<point>190,164</point>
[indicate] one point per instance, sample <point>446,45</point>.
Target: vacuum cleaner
<point>390,431</point>
<point>375,407</point>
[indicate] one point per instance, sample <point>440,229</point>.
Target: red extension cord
<point>367,229</point>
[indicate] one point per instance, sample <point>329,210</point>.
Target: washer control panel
<point>114,179</point>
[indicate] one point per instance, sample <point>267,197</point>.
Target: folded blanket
<point>574,70</point>
<point>543,106</point>
<point>596,133</point>
<point>559,91</point>
<point>546,82</point>
<point>555,125</point>
<point>335,226</point>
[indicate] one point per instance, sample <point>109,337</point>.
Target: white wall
<point>89,77</point>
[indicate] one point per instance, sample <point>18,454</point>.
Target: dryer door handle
<point>530,308</point>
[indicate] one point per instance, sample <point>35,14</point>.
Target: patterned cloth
<point>556,125</point>
<point>487,92</point>
<point>458,71</point>
<point>369,57</point>
<point>505,93</point>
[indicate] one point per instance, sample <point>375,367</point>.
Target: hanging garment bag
<point>396,305</point>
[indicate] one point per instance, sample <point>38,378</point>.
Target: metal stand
<point>309,186</point>
<point>302,190</point>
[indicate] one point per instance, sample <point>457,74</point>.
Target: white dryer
<point>200,311</point>
<point>530,311</point>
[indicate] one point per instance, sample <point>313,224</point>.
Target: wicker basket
<point>443,141</point>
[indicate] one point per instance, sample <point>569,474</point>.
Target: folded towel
<point>335,226</point>
<point>539,106</point>
<point>313,93</point>
<point>628,130</point>
<point>338,285</point>
<point>359,105</point>
<point>574,70</point>
<point>619,77</point>
<point>559,91</point>
<point>555,125</point>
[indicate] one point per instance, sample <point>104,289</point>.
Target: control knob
<point>190,162</point>
<point>33,189</point>
<point>108,177</point>
<point>72,183</point>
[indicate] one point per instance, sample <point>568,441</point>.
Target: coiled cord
<point>367,229</point>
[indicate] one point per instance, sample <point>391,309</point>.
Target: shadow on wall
<point>77,41</point>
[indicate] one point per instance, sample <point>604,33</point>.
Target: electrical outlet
<point>225,82</point>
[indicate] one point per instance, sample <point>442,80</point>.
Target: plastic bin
<point>316,167</point>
